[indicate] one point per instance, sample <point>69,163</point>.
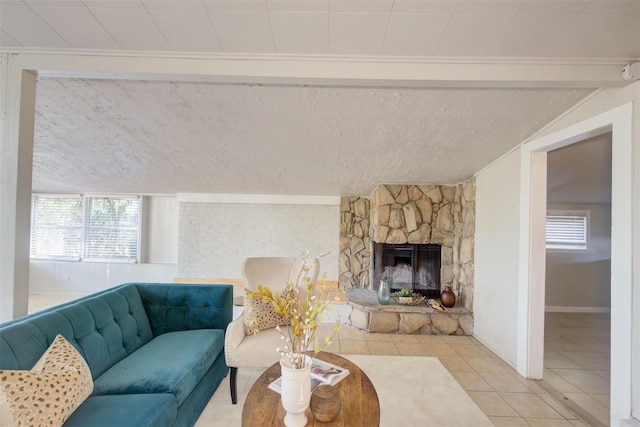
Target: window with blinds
<point>111,228</point>
<point>568,230</point>
<point>57,227</point>
<point>86,228</point>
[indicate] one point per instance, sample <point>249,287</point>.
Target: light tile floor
<point>574,392</point>
<point>504,396</point>
<point>577,362</point>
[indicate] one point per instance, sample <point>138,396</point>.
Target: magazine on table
<point>321,373</point>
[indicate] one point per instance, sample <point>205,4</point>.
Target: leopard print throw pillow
<point>49,393</point>
<point>260,315</point>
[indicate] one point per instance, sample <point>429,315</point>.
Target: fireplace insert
<point>408,266</point>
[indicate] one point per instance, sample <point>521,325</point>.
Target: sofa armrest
<point>180,307</point>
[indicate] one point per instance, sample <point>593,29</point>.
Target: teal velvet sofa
<point>155,351</point>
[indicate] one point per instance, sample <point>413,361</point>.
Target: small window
<point>568,230</point>
<point>111,230</point>
<point>57,227</point>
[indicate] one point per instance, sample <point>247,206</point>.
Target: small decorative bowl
<point>415,299</point>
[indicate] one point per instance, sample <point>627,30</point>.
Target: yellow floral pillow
<point>47,394</point>
<point>260,315</point>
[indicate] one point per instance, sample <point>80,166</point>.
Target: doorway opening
<point>577,341</point>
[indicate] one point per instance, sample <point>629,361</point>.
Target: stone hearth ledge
<point>368,315</point>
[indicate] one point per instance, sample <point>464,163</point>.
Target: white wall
<point>160,235</point>
<point>159,258</point>
<point>581,280</point>
<point>214,238</point>
<point>17,115</point>
<point>87,277</point>
<point>495,305</point>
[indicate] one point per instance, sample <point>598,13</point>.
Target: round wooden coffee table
<point>360,405</point>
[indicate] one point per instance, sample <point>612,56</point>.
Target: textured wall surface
<point>355,242</point>
<point>214,238</point>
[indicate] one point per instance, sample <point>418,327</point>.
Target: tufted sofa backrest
<point>104,327</point>
<point>180,307</point>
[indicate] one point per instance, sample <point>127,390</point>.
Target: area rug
<point>413,391</point>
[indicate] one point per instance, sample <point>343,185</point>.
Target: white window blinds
<point>56,227</point>
<point>112,228</point>
<point>85,228</point>
<point>567,230</point>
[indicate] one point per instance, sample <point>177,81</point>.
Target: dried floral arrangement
<point>302,303</point>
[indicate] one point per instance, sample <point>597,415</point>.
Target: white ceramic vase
<point>296,391</point>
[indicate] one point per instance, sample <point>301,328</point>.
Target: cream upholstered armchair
<point>244,349</point>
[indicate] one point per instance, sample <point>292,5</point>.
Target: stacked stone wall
<point>354,262</point>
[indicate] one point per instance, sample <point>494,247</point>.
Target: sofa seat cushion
<point>170,363</point>
<point>139,410</point>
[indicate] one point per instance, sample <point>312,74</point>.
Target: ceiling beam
<point>328,71</point>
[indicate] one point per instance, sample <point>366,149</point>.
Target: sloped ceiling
<point>167,137</point>
<point>138,136</point>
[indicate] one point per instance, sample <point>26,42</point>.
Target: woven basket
<point>325,403</point>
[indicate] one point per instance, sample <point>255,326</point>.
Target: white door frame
<point>531,302</point>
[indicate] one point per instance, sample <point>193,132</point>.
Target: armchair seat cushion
<point>171,363</point>
<point>257,352</point>
<point>141,410</point>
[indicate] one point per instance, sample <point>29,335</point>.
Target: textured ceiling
<point>164,137</point>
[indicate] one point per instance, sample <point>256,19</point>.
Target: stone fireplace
<point>409,215</point>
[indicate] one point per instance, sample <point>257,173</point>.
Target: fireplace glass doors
<point>406,266</point>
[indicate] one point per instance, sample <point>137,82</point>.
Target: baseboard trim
<point>563,309</point>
